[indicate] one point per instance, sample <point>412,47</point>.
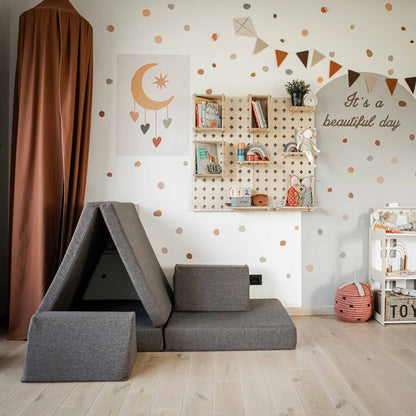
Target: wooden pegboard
<point>212,194</point>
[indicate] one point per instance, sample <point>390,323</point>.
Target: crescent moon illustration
<point>139,95</point>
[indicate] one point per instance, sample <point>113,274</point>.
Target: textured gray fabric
<point>267,326</point>
<point>98,221</point>
<point>148,337</point>
<point>208,288</point>
<point>80,346</point>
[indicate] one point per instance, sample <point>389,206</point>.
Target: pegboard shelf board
<point>257,130</point>
<point>208,130</point>
<point>213,141</point>
<point>254,162</point>
<point>208,175</point>
<point>296,154</point>
<point>302,109</point>
<point>269,208</point>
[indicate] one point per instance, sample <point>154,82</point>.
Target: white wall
<point>375,28</point>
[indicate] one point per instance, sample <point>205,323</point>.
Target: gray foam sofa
<point>209,309</point>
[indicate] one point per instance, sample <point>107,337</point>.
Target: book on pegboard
<point>208,114</point>
<point>205,153</point>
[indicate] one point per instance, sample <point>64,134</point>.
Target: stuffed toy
<point>293,196</point>
<point>306,143</point>
<point>306,195</point>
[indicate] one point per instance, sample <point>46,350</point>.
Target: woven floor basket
<point>353,302</point>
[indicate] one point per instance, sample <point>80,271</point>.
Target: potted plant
<point>297,89</point>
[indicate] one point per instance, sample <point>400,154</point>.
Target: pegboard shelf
<point>253,162</point>
<point>251,208</point>
<point>302,209</point>
<point>208,175</point>
<point>255,130</point>
<point>219,101</point>
<point>214,141</point>
<point>208,130</point>
<point>269,208</point>
<point>265,104</point>
<point>302,109</point>
<point>296,154</point>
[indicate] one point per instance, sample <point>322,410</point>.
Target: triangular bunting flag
<point>333,68</point>
<point>260,45</point>
<point>303,56</point>
<point>280,56</point>
<point>391,83</point>
<point>411,82</point>
<point>370,82</point>
<point>352,77</point>
<point>316,57</point>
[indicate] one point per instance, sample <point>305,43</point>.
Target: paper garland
<point>303,56</point>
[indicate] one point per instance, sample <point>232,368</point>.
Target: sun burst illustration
<point>161,81</point>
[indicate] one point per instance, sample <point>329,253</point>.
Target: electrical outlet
<point>256,279</point>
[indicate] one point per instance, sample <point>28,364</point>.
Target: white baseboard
<point>321,310</point>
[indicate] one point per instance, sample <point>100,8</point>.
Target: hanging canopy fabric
<point>51,129</point>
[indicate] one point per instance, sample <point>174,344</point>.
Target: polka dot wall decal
<point>110,28</point>
<point>324,10</point>
<point>345,217</point>
<point>157,213</point>
<point>352,27</point>
<point>390,71</point>
<point>214,65</point>
<point>320,231</point>
<point>158,39</point>
<point>380,179</point>
<point>108,81</point>
<point>288,275</point>
<point>332,54</point>
<point>137,164</point>
<point>160,185</point>
<point>351,195</point>
<point>289,72</point>
<point>350,169</point>
<point>344,140</point>
<point>297,228</point>
<point>200,72</point>
<point>101,113</point>
<point>246,6</point>
<point>388,7</point>
<point>253,74</point>
<point>320,79</point>
<point>109,174</point>
<point>369,53</point>
<point>263,259</point>
<point>282,243</point>
<point>329,189</point>
<point>403,28</point>
<point>189,256</point>
<point>274,16</point>
<point>402,103</point>
<point>185,163</point>
<point>377,142</point>
<point>164,250</point>
<point>187,28</point>
<point>309,268</point>
<point>146,12</point>
<point>412,41</point>
<point>390,58</point>
<point>370,158</point>
<point>216,231</point>
<point>394,160</point>
<point>179,230</point>
<point>305,32</point>
<point>342,255</point>
<point>208,91</point>
<point>171,6</point>
<point>214,36</point>
<point>265,68</point>
<point>233,56</point>
<point>282,40</point>
<point>411,136</point>
<point>242,228</point>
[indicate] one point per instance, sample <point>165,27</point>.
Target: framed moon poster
<point>153,105</point>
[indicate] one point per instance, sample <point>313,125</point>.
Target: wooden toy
<point>260,200</point>
<point>293,196</point>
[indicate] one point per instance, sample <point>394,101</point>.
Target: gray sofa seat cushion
<point>210,288</point>
<point>267,326</point>
<point>80,346</point>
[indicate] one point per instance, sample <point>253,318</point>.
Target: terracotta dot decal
<point>109,174</point>
<point>214,65</point>
<point>411,136</point>
<point>274,16</point>
<point>187,28</point>
<point>208,91</point>
<point>320,79</point>
<point>137,164</point>
<point>380,179</point>
<point>158,39</point>
<point>108,81</point>
<point>282,243</point>
<point>324,10</point>
<point>246,6</point>
<point>388,7</point>
<point>160,185</point>
<point>253,74</point>
<point>101,113</point>
<point>263,259</point>
<point>289,72</point>
<point>171,6</point>
<point>214,36</point>
<point>110,28</point>
<point>352,27</point>
<point>216,231</point>
<point>189,256</point>
<point>200,72</point>
<point>329,189</point>
<point>164,250</point>
<point>344,140</point>
<point>288,276</point>
<point>242,228</point>
<point>320,231</point>
<point>377,142</point>
<point>369,53</point>
<point>157,213</point>
<point>394,160</point>
<point>146,12</point>
<point>402,103</point>
<point>179,230</point>
<point>233,56</point>
<point>342,255</point>
<point>403,28</point>
<point>350,170</point>
<point>309,268</point>
<point>297,228</point>
<point>351,195</point>
<point>370,158</point>
<point>305,32</point>
<point>345,217</point>
<point>265,68</point>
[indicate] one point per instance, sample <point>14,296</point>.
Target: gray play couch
<point>73,339</point>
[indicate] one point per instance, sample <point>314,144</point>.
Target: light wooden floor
<point>337,369</point>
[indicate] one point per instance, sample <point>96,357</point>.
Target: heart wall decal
<point>156,141</point>
<point>134,115</point>
<point>145,127</point>
<point>167,122</point>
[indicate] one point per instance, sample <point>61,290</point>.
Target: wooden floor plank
<point>225,366</point>
<point>7,347</point>
<point>227,399</point>
<point>11,382</point>
<point>12,360</point>
<point>71,411</point>
<point>83,395</point>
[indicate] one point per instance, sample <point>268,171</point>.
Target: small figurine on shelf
<point>306,143</point>
<point>306,195</point>
<point>293,196</point>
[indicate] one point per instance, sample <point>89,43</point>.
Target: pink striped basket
<point>353,302</point>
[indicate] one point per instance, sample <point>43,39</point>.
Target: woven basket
<point>353,302</point>
<point>399,309</point>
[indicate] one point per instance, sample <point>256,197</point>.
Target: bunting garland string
<point>334,67</point>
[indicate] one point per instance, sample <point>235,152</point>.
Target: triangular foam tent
<point>99,224</point>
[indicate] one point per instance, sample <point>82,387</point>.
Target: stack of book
<point>208,113</point>
<point>258,115</point>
